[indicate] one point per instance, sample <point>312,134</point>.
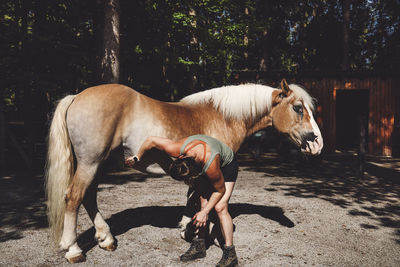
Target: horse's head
<point>292,114</point>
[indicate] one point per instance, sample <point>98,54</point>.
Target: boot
<point>229,258</point>
<point>197,250</point>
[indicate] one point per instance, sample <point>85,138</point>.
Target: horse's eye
<point>298,109</point>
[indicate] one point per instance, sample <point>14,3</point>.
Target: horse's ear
<point>285,87</point>
<point>279,95</point>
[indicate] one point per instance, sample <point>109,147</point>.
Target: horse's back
<point>103,102</point>
<point>106,91</point>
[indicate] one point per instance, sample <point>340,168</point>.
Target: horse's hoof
<point>110,247</point>
<point>108,244</point>
<point>77,258</point>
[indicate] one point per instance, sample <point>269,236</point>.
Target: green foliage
<point>46,52</point>
<point>172,48</point>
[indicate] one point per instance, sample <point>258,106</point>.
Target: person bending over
<point>211,167</point>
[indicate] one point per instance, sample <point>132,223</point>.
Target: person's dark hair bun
<point>182,169</point>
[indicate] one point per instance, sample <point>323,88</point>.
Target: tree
<point>193,46</point>
<point>266,39</point>
<point>346,35</point>
<point>108,39</point>
<point>3,125</point>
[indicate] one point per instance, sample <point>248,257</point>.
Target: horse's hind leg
<point>103,234</point>
<point>82,179</point>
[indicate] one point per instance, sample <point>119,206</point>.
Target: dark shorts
<point>230,171</point>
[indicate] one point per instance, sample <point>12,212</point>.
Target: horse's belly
<point>155,169</point>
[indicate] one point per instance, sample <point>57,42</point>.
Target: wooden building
<point>346,104</point>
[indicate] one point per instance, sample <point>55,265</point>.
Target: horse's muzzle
<point>311,144</point>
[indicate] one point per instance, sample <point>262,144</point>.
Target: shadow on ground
<point>22,204</point>
<point>169,217</point>
<point>22,200</point>
<point>336,179</point>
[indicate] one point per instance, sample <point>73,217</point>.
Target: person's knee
<point>221,208</point>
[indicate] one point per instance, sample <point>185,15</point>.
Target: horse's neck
<point>232,133</point>
<point>264,122</point>
<point>211,122</point>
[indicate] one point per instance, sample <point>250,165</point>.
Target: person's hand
<point>200,219</point>
<point>130,161</point>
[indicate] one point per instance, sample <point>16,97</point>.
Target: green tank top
<point>217,148</point>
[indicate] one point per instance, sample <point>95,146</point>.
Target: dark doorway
<point>351,118</point>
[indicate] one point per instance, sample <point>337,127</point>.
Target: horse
<point>87,127</point>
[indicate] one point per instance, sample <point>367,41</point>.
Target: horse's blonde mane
<point>244,101</point>
<point>302,94</point>
<point>236,101</point>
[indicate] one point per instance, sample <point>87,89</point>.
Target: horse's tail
<point>59,168</point>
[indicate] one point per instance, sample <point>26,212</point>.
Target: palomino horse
<point>86,127</point>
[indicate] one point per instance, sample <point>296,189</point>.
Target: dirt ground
<point>287,213</point>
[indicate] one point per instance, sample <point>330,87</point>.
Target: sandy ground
<point>287,213</point>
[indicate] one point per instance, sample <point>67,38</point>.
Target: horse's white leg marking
<point>69,234</point>
<point>182,225</point>
<point>190,210</point>
<point>83,177</point>
<point>74,254</point>
<point>68,241</point>
<point>103,234</point>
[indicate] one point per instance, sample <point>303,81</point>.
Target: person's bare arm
<point>216,178</point>
<point>172,148</point>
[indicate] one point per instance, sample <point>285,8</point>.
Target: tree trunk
<point>346,35</point>
<point>193,68</point>
<point>362,121</point>
<point>107,40</point>
<point>2,138</point>
<point>266,40</point>
<point>26,84</point>
<point>381,26</point>
<point>165,64</point>
<point>246,39</point>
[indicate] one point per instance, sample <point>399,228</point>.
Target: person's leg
<point>229,257</point>
<point>223,214</point>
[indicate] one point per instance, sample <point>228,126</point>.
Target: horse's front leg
<point>103,234</point>
<point>186,228</point>
<point>83,177</point>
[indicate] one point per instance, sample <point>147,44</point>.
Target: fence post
<point>362,144</point>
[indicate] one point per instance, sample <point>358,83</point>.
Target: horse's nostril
<point>310,137</point>
<point>316,140</point>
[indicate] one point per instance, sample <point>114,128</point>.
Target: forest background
<point>168,49</point>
